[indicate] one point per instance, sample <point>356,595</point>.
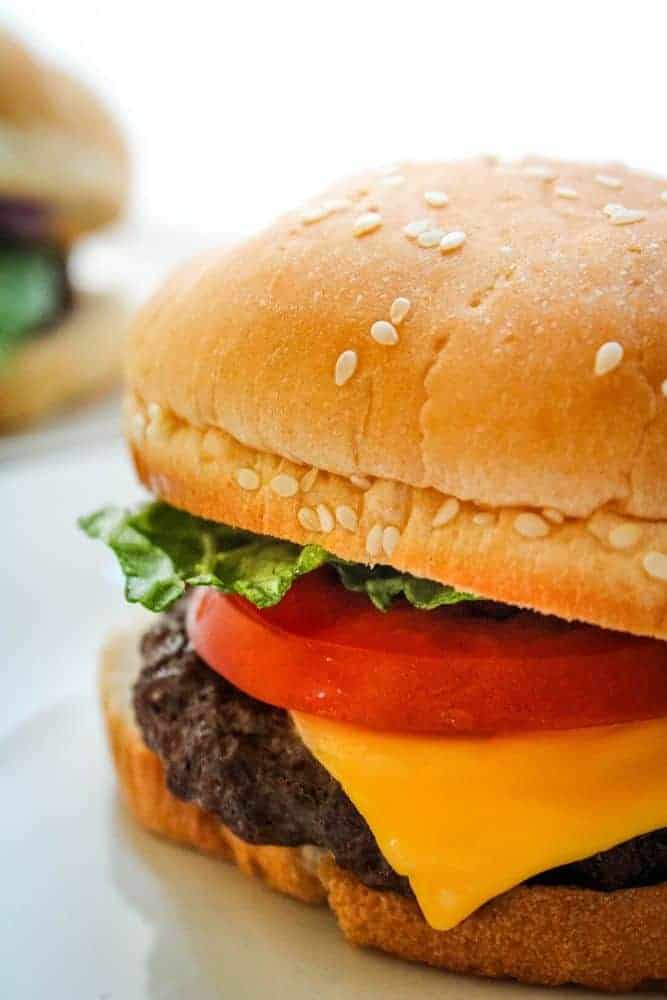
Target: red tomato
<point>327,651</point>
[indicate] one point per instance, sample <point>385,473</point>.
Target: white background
<point>239,110</point>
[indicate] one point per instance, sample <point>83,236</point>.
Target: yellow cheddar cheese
<point>467,819</point>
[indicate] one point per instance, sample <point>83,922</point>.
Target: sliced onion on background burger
<point>409,547</point>
<point>63,174</point>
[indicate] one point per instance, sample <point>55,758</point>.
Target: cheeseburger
<point>63,173</point>
<point>408,548</point>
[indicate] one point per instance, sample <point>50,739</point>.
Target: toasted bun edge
<point>574,571</point>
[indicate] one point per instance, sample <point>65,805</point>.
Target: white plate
<point>92,907</point>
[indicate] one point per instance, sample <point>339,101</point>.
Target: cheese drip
<point>468,819</point>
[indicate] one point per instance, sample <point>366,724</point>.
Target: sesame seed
<point>452,241</point>
<point>400,308</point>
<point>212,445</point>
<point>437,199</point>
<point>663,388</point>
<point>619,215</point>
<point>313,214</point>
<point>592,526</point>
<point>247,479</point>
<point>390,539</point>
<point>154,411</point>
<point>606,180</point>
<point>530,525</point>
<point>327,522</point>
<point>284,485</point>
<point>541,171</point>
<point>392,180</point>
<point>663,196</point>
<point>506,248</point>
<point>308,480</point>
<point>361,482</point>
<point>608,357</point>
<point>336,204</point>
<point>346,366</point>
<point>627,217</point>
<point>483,517</point>
<point>566,192</point>
<point>159,422</point>
<point>446,512</point>
<point>553,515</point>
<point>308,519</point>
<point>385,333</point>
<point>624,536</point>
<point>346,517</point>
<point>430,238</point>
<point>367,223</point>
<point>374,540</point>
<point>137,425</point>
<point>655,564</point>
<point>414,229</point>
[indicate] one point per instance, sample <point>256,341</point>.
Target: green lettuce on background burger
<point>34,286</point>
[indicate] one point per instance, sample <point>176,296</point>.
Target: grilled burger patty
<point>241,760</point>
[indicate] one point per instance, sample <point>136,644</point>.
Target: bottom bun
<point>536,934</point>
<point>78,359</point>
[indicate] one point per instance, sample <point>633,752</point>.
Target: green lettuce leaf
<point>30,292</point>
<point>162,551</point>
<point>382,584</point>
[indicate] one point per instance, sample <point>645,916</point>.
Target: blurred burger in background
<point>63,174</point>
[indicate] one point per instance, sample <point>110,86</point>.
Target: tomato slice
<point>327,651</point>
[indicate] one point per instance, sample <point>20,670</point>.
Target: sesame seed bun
<point>490,383</point>
<point>536,934</point>
<point>52,370</point>
<point>59,143</point>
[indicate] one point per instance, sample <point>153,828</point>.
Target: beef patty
<point>241,760</point>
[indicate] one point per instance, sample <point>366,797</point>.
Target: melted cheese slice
<point>467,819</point>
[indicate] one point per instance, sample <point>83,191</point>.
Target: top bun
<point>506,396</point>
<point>58,144</point>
